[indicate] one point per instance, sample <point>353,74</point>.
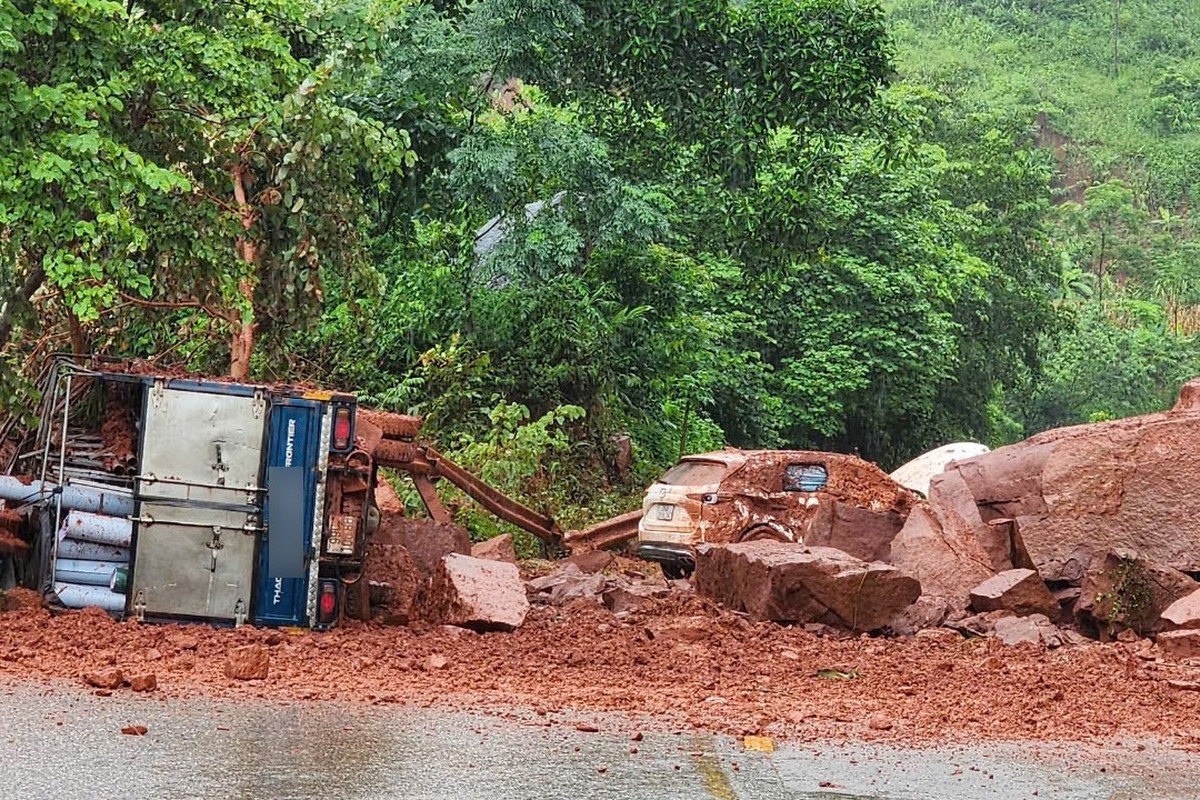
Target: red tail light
<point>341,429</point>
<point>327,605</point>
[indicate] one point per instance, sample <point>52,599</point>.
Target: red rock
<point>1189,396</point>
<point>134,730</point>
<point>946,564</point>
<point>1178,645</point>
<point>862,532</point>
<point>590,560</point>
<point>474,593</point>
<point>425,542</point>
<point>434,662</point>
<point>625,599</point>
<point>1021,591</point>
<point>1112,486</point>
<point>105,679</point>
<point>880,722</point>
<point>248,663</point>
<point>1184,612</point>
<point>386,498</point>
<point>587,727</point>
<point>1033,629</point>
<point>1131,592</point>
<point>945,635</point>
<point>928,611</point>
<point>636,736</point>
<point>788,583</point>
<point>498,548</point>
<point>144,683</point>
<point>956,511</point>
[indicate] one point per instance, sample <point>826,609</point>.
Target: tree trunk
<point>79,342</point>
<point>33,281</point>
<point>241,345</point>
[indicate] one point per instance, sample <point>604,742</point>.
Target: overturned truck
<point>179,498</point>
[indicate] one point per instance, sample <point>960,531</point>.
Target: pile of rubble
<point>427,573</point>
<point>1091,530</point>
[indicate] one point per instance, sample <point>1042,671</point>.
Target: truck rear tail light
<point>342,429</point>
<point>327,604</point>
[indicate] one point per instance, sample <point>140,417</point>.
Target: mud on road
<point>678,659</point>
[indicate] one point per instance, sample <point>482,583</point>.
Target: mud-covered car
<point>803,496</point>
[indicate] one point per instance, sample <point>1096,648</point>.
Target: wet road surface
<point>64,742</point>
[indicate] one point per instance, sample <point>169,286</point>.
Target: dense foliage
<point>548,224</point>
<point>1110,89</point>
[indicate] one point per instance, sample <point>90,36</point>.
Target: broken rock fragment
<point>1020,591</point>
<point>248,663</point>
<point>1178,645</point>
<point>1184,612</point>
<point>475,593</point>
<point>498,548</point>
<point>788,583</point>
<point>591,560</point>
<point>946,563</point>
<point>425,541</point>
<point>147,682</point>
<point>622,599</point>
<point>1034,629</point>
<point>105,679</point>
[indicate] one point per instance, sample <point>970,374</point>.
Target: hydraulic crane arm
<point>426,465</point>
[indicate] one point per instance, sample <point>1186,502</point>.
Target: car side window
<point>805,478</point>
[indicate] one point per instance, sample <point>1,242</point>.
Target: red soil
<point>682,661</point>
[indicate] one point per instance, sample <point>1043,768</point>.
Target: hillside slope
<point>1120,80</point>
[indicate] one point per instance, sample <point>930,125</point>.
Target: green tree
<point>193,155</point>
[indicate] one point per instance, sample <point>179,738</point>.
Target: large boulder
<point>475,593</point>
<point>1124,591</point>
<point>1020,591</point>
<point>789,583</point>
<point>947,563</point>
<point>1077,493</point>
<point>954,506</point>
<point>425,541</point>
<point>862,532</point>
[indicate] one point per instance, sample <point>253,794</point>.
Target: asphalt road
<point>64,742</point>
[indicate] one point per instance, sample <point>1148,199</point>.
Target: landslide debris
<point>780,581</point>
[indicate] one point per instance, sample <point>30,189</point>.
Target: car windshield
<point>695,473</point>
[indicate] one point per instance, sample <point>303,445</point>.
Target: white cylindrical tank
<point>74,595</point>
<point>91,551</point>
<point>98,528</point>
<point>87,573</point>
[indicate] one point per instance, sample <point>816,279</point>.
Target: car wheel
<point>765,531</point>
<point>676,570</point>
